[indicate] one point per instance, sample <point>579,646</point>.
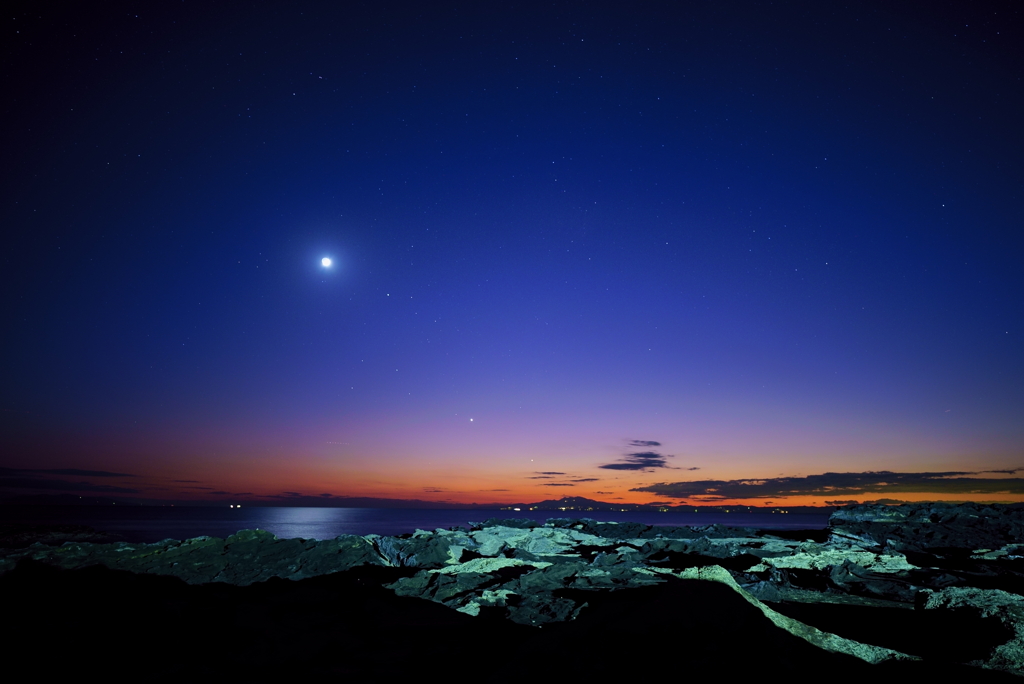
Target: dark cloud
<point>74,472</point>
<point>604,492</point>
<point>187,481</point>
<point>548,472</point>
<point>639,460</point>
<point>540,477</point>
<point>839,485</point>
<point>844,502</point>
<point>197,487</point>
<point>643,443</point>
<point>557,484</point>
<point>585,479</point>
<point>434,490</point>
<point>693,468</point>
<point>494,490</point>
<point>220,493</point>
<point>888,502</point>
<point>326,496</point>
<point>48,484</point>
<point>84,473</point>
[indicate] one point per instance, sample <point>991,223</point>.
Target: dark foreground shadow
<point>346,627</point>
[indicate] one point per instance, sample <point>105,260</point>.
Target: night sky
<point>668,252</point>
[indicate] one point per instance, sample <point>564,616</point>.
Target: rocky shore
<point>900,591</point>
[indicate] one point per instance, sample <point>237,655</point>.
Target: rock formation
<point>927,565</point>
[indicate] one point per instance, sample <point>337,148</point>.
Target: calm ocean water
<point>154,523</point>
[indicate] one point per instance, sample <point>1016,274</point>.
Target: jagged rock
<point>765,591</point>
<point>923,527</point>
<point>540,541</point>
<point>241,559</point>
<point>824,640</point>
<point>423,549</point>
<point>539,609</point>
<point>989,603</point>
<point>521,523</point>
<point>87,623</point>
<point>854,578</point>
<point>541,574</point>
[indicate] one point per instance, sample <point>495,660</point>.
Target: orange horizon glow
<point>499,465</point>
<point>469,489</point>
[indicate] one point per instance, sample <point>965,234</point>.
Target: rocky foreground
<point>901,591</point>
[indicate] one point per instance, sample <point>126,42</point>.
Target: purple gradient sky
<point>779,240</point>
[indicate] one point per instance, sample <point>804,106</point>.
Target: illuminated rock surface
<point>894,587</point>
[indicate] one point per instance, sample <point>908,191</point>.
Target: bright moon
<point>326,262</point>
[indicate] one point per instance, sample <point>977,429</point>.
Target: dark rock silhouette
<point>858,598</point>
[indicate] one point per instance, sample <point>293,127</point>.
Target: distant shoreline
<point>566,505</point>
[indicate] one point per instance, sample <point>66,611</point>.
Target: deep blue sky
<point>778,239</point>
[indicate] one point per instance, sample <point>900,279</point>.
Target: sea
<point>156,523</point>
